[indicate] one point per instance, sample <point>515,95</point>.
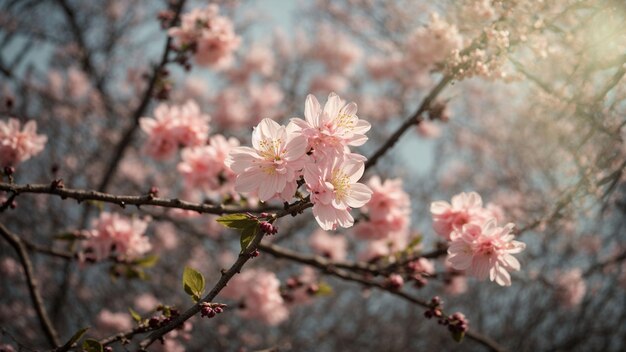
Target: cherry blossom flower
<point>203,167</point>
<point>570,288</point>
<point>212,36</point>
<point>485,251</point>
<point>465,208</point>
<point>330,130</point>
<point>337,51</point>
<point>113,322</point>
<point>259,292</point>
<point>114,233</point>
<point>388,210</point>
<point>173,126</point>
<point>18,145</point>
<point>271,167</point>
<point>334,190</point>
<point>327,245</point>
<point>431,44</point>
<point>428,129</point>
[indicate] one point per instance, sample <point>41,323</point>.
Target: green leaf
<point>91,345</point>
<point>415,241</point>
<point>458,336</point>
<point>235,221</point>
<point>193,283</point>
<point>135,315</point>
<point>147,261</point>
<point>247,235</point>
<point>324,289</point>
<point>66,236</point>
<point>77,336</point>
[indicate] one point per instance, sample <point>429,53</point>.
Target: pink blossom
<point>145,302</point>
<point>327,245</point>
<point>213,36</point>
<point>265,99</point>
<point>203,167</point>
<point>465,208</point>
<point>114,233</point>
<point>259,291</point>
<point>570,287</point>
<point>231,110</point>
<point>271,167</point>
<point>166,233</point>
<point>9,267</point>
<point>173,126</point>
<point>334,190</point>
<point>18,145</point>
<point>113,322</point>
<point>433,43</point>
<point>485,251</point>
<point>330,130</point>
<point>329,83</point>
<point>423,266</point>
<point>388,210</point>
<point>456,285</point>
<point>258,59</point>
<point>336,51</point>
<point>78,83</point>
<point>428,129</point>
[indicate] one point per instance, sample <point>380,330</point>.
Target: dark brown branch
<point>122,200</point>
<point>414,119</point>
<point>327,267</point>
<point>244,256</point>
<point>127,137</point>
<point>33,285</point>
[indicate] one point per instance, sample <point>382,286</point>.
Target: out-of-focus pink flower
<point>18,145</point>
<point>465,208</point>
<point>423,266</point>
<point>456,285</point>
<point>78,83</point>
<point>264,100</point>
<point>428,129</point>
<point>334,188</point>
<point>6,348</point>
<point>114,233</point>
<point>327,245</point>
<point>336,50</point>
<point>485,251</point>
<point>259,291</point>
<point>145,302</point>
<point>330,130</point>
<point>570,287</point>
<point>173,126</point>
<point>166,233</point>
<point>231,110</point>
<point>113,322</point>
<point>271,168</point>
<point>433,43</point>
<point>258,59</point>
<point>388,210</point>
<point>212,36</point>
<point>203,167</point>
<point>328,83</point>
<point>9,267</point>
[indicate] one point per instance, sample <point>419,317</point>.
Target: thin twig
<point>123,200</point>
<point>327,267</point>
<point>33,286</point>
<point>127,138</point>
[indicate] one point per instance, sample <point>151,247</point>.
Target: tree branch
<point>123,201</point>
<point>33,285</point>
<point>127,138</point>
<point>328,268</point>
